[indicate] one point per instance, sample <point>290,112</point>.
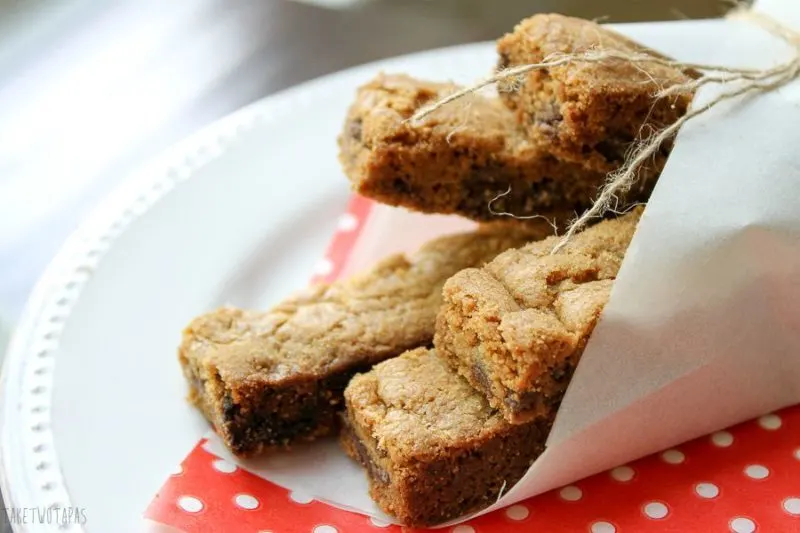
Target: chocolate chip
<point>354,129</point>
<point>503,61</point>
<point>511,403</point>
<point>610,150</point>
<point>554,400</point>
<point>365,458</point>
<point>479,374</point>
<point>400,186</point>
<point>665,149</point>
<point>229,408</point>
<point>379,473</point>
<point>423,97</point>
<point>548,115</point>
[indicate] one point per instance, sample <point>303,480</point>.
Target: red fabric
<point>741,480</point>
<point>347,232</point>
<point>768,503</point>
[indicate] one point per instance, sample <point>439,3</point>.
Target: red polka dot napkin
<point>742,480</point>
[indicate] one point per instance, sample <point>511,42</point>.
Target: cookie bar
<point>432,446</point>
<point>457,159</point>
<point>516,328</point>
<point>268,379</point>
<point>587,113</point>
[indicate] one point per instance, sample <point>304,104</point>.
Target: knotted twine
<point>747,82</point>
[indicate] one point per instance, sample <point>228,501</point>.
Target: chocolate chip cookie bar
<point>458,159</point>
<point>588,113</point>
<point>432,446</point>
<point>268,379</point>
<point>516,328</point>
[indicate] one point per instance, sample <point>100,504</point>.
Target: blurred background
<point>90,89</point>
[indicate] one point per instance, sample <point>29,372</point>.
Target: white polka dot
<point>655,510</point>
<point>177,471</point>
<point>797,454</point>
<point>517,512</point>
<point>245,501</point>
<point>756,471</point>
<point>673,457</point>
<point>190,504</point>
<point>603,527</point>
<point>300,497</point>
<point>770,422</point>
<point>742,525</point>
<point>347,222</point>
<point>377,522</point>
<point>706,490</point>
<point>325,529</point>
<point>264,531</point>
<point>723,439</point>
<point>571,493</point>
<point>792,506</point>
<point>221,465</point>
<point>622,473</point>
<point>324,267</point>
<point>463,529</point>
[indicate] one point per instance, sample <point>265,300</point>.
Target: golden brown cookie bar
<point>457,159</point>
<point>267,379</point>
<point>516,328</point>
<point>432,446</point>
<point>587,113</point>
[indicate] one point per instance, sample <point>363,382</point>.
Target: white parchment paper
<point>703,327</point>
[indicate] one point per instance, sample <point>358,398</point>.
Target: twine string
<point>745,81</point>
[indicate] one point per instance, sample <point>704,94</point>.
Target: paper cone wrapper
<point>702,329</point>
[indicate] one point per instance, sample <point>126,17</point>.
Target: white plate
<point>93,412</point>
